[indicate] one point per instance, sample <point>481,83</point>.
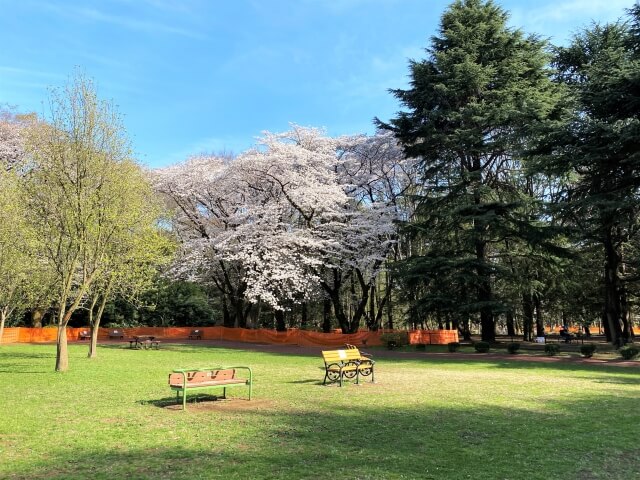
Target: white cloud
<point>25,72</point>
<point>137,21</point>
<point>559,20</point>
<point>572,9</point>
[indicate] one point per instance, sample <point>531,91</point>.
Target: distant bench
<point>116,334</point>
<point>346,364</point>
<point>195,335</point>
<point>182,380</point>
<point>84,335</point>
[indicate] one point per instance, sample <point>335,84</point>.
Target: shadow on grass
<point>516,362</point>
<point>308,381</point>
<point>24,365</point>
<point>172,402</point>
<point>122,346</point>
<point>13,354</point>
<point>414,442</point>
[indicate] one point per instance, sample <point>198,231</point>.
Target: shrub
<point>551,349</point>
<point>513,347</point>
<point>588,350</point>
<point>453,346</point>
<point>482,347</point>
<point>421,347</point>
<point>395,339</point>
<point>629,352</point>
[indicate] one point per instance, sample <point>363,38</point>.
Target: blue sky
<point>192,76</point>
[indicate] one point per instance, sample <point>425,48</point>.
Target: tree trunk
<point>95,323</point>
<point>361,305</point>
<point>539,318</point>
<point>3,318</point>
<point>62,352</point>
<point>304,316</point>
<point>36,317</point>
<point>281,326</point>
<point>371,317</point>
<point>326,315</point>
<point>389,311</point>
<point>627,331</point>
<point>527,316</point>
<point>466,329</point>
<point>605,324</point>
<point>338,311</point>
<point>487,322</point>
<point>612,292</point>
<point>511,328</point>
<point>227,321</point>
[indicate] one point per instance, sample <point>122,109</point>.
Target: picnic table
<point>144,341</point>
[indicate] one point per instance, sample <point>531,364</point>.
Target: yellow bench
<point>347,363</point>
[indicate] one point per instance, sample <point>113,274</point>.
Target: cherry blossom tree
<point>280,218</point>
<point>13,133</point>
<point>376,174</point>
<point>208,207</point>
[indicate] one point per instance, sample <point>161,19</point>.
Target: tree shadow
<point>354,441</point>
<point>31,355</point>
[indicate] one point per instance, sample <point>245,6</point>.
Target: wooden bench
<point>346,364</point>
<point>182,380</point>
<point>116,333</point>
<point>84,335</point>
<point>571,338</point>
<point>195,334</point>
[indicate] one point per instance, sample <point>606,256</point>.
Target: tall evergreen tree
<point>469,109</point>
<point>597,150</point>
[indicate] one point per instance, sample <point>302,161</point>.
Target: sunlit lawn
<point>114,417</point>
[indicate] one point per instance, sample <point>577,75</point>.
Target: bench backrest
<point>337,356</point>
<point>195,332</point>
<point>196,377</point>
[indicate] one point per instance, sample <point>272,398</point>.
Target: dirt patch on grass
<point>225,405</point>
<point>623,465</point>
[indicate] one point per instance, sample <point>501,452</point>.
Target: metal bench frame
<point>346,364</point>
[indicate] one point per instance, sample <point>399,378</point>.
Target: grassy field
<point>114,417</point>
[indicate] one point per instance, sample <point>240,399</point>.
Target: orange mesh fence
<point>433,337</point>
<point>10,335</point>
<point>290,337</point>
<point>37,335</point>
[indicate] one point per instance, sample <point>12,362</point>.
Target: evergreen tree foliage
<point>597,151</point>
<point>469,110</point>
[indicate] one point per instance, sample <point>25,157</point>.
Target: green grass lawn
<point>114,417</point>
